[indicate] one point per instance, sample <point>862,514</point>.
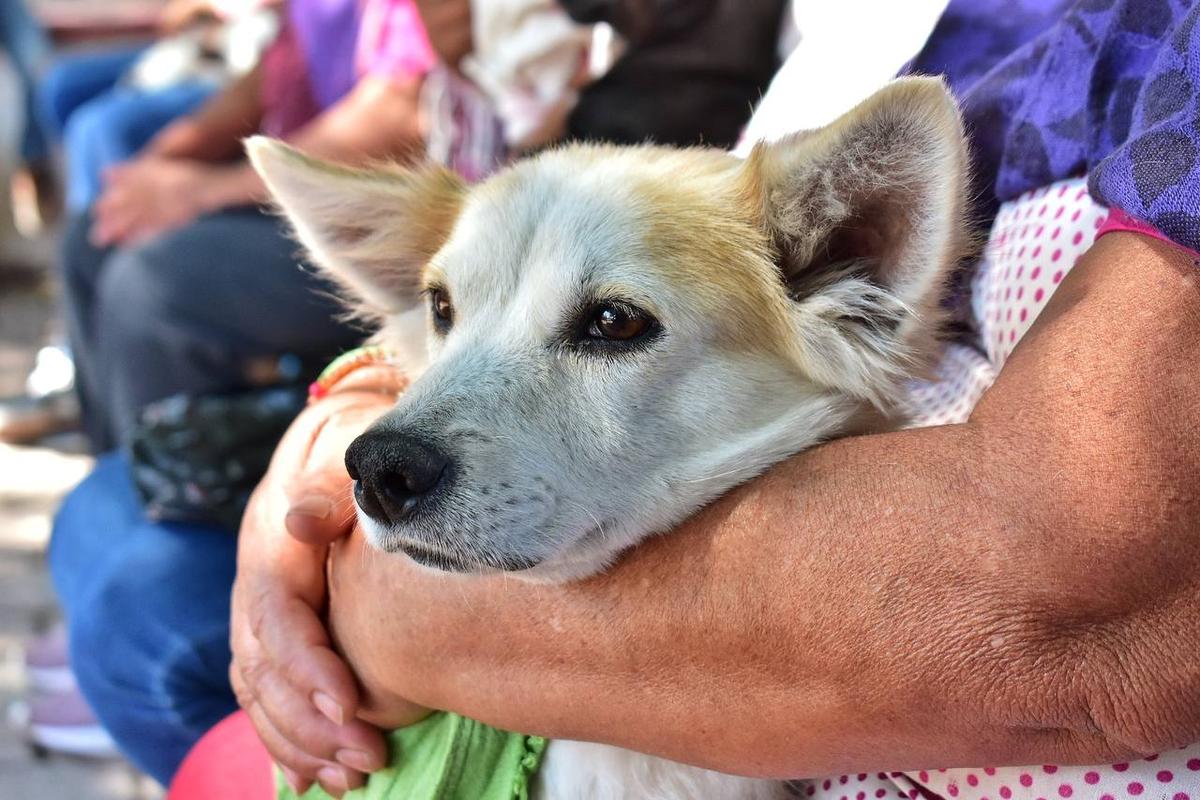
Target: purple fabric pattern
<point>1102,87</point>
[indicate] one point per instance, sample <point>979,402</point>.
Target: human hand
<point>298,692</point>
<point>448,25</point>
<point>151,195</point>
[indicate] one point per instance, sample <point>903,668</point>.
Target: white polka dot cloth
<point>1034,242</point>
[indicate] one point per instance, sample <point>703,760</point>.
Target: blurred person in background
<point>177,282</point>
<point>104,106</point>
<point>107,104</point>
<point>177,232</point>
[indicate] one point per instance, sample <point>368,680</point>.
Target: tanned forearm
<point>1017,589</point>
<point>216,131</point>
<point>378,120</point>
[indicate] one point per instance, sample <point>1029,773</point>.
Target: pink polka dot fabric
<point>1034,242</point>
<point>1169,776</point>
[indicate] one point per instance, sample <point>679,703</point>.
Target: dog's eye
<point>443,311</point>
<point>618,322</point>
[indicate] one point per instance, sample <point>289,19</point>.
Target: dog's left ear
<point>866,218</point>
<point>373,230</point>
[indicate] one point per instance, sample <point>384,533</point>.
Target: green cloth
<point>447,757</point>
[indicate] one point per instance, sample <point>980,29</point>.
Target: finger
<point>299,784</point>
<point>334,778</point>
<point>301,645</point>
<point>117,218</point>
<point>282,751</point>
<point>320,514</point>
<point>355,745</point>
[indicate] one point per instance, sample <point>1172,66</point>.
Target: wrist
<point>227,187</point>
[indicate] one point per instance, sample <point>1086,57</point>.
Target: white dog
<point>603,340</point>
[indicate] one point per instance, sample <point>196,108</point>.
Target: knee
<point>98,134</point>
<point>79,257</point>
<point>153,623</point>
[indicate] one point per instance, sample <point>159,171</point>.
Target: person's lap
<point>188,312</point>
<point>147,608</point>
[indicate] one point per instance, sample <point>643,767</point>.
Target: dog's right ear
<point>372,231</point>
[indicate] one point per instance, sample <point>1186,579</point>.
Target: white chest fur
<point>587,771</point>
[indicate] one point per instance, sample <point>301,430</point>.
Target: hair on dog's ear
<point>373,230</point>
<point>866,217</point>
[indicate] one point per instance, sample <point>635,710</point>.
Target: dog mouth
<point>442,561</point>
<point>436,559</point>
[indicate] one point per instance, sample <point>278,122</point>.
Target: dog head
<point>604,339</point>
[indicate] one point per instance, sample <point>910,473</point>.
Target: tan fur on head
<point>792,295</point>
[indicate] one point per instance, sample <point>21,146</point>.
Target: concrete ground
<point>32,481</point>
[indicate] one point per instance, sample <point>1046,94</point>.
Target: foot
<point>25,419</point>
<point>47,666</point>
<point>62,722</point>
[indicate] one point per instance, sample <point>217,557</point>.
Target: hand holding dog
<point>300,695</point>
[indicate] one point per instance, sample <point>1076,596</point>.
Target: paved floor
<point>32,480</point>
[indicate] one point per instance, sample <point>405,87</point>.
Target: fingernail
<point>329,707</point>
<point>333,779</point>
<point>356,759</point>
<point>315,506</point>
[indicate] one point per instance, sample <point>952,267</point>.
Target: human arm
<point>448,25</point>
<point>1017,589</point>
<point>378,119</point>
<point>215,131</point>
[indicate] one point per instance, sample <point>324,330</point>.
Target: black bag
<point>197,459</point>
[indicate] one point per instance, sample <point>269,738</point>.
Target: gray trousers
<point>187,312</point>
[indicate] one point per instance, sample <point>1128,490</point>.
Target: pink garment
<point>388,40</point>
<point>392,41</point>
<point>1119,221</point>
<point>287,97</point>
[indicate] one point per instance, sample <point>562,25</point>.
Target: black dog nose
<point>393,473</point>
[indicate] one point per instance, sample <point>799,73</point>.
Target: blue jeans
<point>103,123</point>
<point>147,609</point>
<point>23,39</point>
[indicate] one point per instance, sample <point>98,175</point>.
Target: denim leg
<point>147,608</point>
<point>80,266</point>
<point>73,80</point>
<point>188,311</point>
<point>113,127</point>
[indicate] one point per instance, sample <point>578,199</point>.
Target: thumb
<point>321,507</point>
